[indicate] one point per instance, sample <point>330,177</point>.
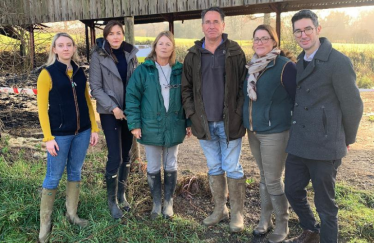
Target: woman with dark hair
<point>269,95</point>
<point>156,118</point>
<point>111,66</point>
<point>68,123</point>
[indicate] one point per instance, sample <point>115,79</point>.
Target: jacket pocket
<point>112,95</point>
<point>324,120</point>
<point>267,114</point>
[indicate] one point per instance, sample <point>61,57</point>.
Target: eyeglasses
<point>263,40</point>
<point>307,31</point>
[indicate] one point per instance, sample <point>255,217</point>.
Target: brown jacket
<point>233,101</point>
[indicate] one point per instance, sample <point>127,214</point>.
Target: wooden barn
<point>30,14</point>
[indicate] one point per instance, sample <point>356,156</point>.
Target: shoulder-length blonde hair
<point>53,56</point>
<point>152,56</point>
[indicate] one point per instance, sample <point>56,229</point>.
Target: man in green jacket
<point>212,96</point>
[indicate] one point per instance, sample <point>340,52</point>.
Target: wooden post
<point>92,33</point>
<point>277,9</point>
<point>171,23</point>
<point>129,30</point>
<point>130,38</point>
<point>32,46</point>
<point>87,42</point>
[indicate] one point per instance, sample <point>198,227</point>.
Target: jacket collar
<point>151,63</point>
<point>322,54</point>
<point>63,67</point>
<point>231,46</point>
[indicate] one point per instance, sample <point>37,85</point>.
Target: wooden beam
<point>92,33</point>
<point>277,9</point>
<point>129,30</point>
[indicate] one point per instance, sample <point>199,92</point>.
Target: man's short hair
<point>305,14</point>
<point>216,9</point>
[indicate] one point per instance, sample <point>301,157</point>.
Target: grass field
<point>21,176</point>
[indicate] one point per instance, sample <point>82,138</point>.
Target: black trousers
<point>118,139</point>
<point>322,173</point>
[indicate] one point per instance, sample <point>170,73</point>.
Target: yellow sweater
<point>44,85</point>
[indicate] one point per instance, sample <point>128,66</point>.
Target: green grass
<point>20,183</point>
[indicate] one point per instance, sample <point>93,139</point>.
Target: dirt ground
<point>18,113</point>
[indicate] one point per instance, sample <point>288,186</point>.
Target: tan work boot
<point>237,196</point>
<point>46,208</point>
<point>218,188</point>
<point>72,199</point>
<point>265,224</point>
<point>307,236</point>
<point>280,205</point>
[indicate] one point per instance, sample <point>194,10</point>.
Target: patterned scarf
<point>255,66</point>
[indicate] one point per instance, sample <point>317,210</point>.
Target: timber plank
<point>109,9</point>
<point>162,6</point>
<point>126,9</point>
<point>172,6</point>
<point>192,5</point>
<point>117,8</point>
<point>64,10</point>
<point>153,7</point>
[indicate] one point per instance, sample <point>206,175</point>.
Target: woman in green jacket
<point>156,118</point>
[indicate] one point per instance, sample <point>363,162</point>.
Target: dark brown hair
<point>273,35</point>
<point>108,27</point>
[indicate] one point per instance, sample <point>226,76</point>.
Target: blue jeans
<point>73,149</point>
<point>222,157</point>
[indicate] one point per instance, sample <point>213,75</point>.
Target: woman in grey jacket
<point>112,64</point>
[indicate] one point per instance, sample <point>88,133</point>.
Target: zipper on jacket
<point>251,105</point>
<point>73,84</point>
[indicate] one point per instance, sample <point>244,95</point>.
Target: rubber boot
<point>265,224</point>
<point>237,196</point>
<point>280,205</point>
<point>170,181</point>
<point>123,174</point>
<point>72,199</point>
<point>218,188</point>
<point>154,182</point>
<point>46,208</point>
<point>111,188</point>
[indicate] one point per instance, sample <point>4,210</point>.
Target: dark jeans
<point>299,172</point>
<point>118,139</point>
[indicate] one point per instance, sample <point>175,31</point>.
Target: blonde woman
<point>156,118</point>
<point>68,124</point>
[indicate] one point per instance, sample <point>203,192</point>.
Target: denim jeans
<point>72,152</point>
<point>322,173</point>
<point>222,157</point>
<point>155,154</point>
<point>119,141</point>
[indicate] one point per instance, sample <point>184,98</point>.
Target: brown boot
<point>307,236</point>
<point>265,224</point>
<point>72,199</point>
<point>237,196</point>
<point>218,187</point>
<point>280,205</point>
<point>46,208</point>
